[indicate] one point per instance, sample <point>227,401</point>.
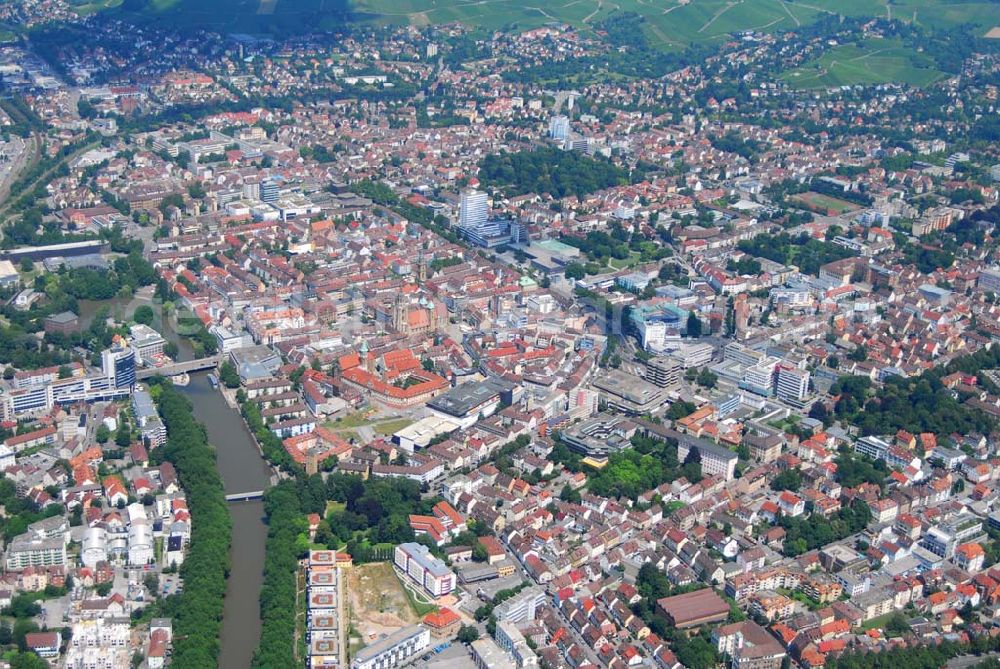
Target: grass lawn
<point>347,435</point>
<point>420,609</point>
<point>873,61</point>
<point>786,423</point>
<point>85,8</point>
<point>392,426</point>
<point>622,263</point>
<point>879,622</point>
<point>333,507</point>
<point>670,507</point>
<point>347,422</point>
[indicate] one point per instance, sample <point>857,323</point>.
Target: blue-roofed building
<point>939,297</point>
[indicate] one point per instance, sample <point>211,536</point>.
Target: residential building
<point>522,607</point>
<point>425,570</point>
<point>394,649</point>
<point>26,550</point>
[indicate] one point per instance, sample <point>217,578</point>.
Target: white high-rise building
<point>473,210</point>
<point>559,127</point>
<point>793,383</point>
<point>759,378</point>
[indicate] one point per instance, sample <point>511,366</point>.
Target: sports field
<point>875,61</point>
<point>824,203</point>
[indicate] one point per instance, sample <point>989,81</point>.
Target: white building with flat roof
<point>423,569</point>
<point>792,383</point>
<point>473,210</point>
<point>394,649</point>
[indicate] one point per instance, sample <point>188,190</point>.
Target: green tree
<point>693,325</point>
<point>198,612</point>
<point>789,479</point>
<point>680,409</point>
<point>897,624</point>
<point>23,627</point>
<point>123,435</point>
<point>570,494</point>
<point>697,653</point>
<point>144,314</point>
<point>707,378</point>
<point>468,634</point>
<point>228,375</point>
<point>102,434</point>
<point>28,660</point>
<point>574,270</point>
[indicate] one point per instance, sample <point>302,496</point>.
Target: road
<point>967,661</point>
<point>584,646</point>
<point>19,153</point>
<point>47,176</point>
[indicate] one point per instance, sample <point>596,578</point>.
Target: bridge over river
<point>186,367</point>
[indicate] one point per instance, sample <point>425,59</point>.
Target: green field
<point>277,17</point>
<point>669,23</point>
<point>824,203</point>
<point>876,61</point>
<point>92,6</point>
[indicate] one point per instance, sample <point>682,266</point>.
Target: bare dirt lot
<point>376,601</point>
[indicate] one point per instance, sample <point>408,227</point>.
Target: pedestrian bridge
<point>199,365</point>
<point>245,496</point>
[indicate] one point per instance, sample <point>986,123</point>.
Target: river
<point>242,469</point>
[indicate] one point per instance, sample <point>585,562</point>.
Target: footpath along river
<point>242,469</point>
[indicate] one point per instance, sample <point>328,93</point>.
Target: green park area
<point>873,61</point>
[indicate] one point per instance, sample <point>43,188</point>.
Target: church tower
<point>400,311</point>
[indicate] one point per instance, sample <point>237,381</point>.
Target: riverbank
<point>200,610</point>
<point>242,468</point>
